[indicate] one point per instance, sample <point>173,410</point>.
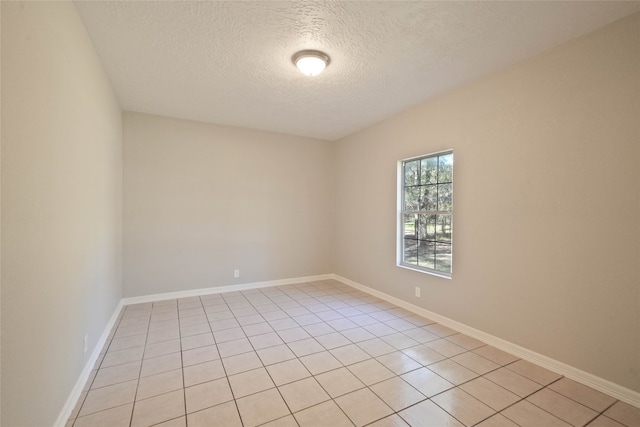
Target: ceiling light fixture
<point>311,62</point>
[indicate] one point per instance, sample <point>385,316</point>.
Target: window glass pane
<point>410,225</point>
<point>427,227</point>
<point>411,172</point>
<point>443,228</point>
<point>429,198</point>
<point>426,255</point>
<point>410,251</point>
<point>443,257</point>
<point>445,196</point>
<point>427,212</point>
<point>411,198</point>
<point>429,171</point>
<point>445,168</point>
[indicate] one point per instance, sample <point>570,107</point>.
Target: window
<point>426,213</point>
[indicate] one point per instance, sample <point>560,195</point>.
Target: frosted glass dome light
<point>311,62</point>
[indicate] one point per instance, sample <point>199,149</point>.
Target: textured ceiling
<point>230,62</point>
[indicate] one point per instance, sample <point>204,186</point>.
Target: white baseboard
<point>605,386</point>
<point>88,367</point>
<point>220,289</point>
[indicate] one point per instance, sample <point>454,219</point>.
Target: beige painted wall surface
<point>203,200</point>
<point>61,207</point>
<point>546,205</point>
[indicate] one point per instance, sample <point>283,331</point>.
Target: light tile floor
<point>319,354</point>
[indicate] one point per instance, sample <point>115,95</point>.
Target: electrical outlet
<point>417,292</point>
<point>236,273</point>
<point>85,343</point>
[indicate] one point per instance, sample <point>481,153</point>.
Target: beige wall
<point>61,207</point>
<point>203,200</point>
<point>546,207</point>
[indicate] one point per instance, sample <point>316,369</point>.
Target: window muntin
<point>426,213</point>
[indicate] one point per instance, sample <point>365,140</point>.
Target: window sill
<point>425,271</point>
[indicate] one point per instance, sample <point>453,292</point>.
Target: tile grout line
<point>133,408</point>
<point>235,401</point>
<point>603,415</point>
<point>184,387</point>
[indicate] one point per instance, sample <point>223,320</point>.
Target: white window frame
<point>400,218</point>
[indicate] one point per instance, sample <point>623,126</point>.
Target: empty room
<point>272,213</point>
